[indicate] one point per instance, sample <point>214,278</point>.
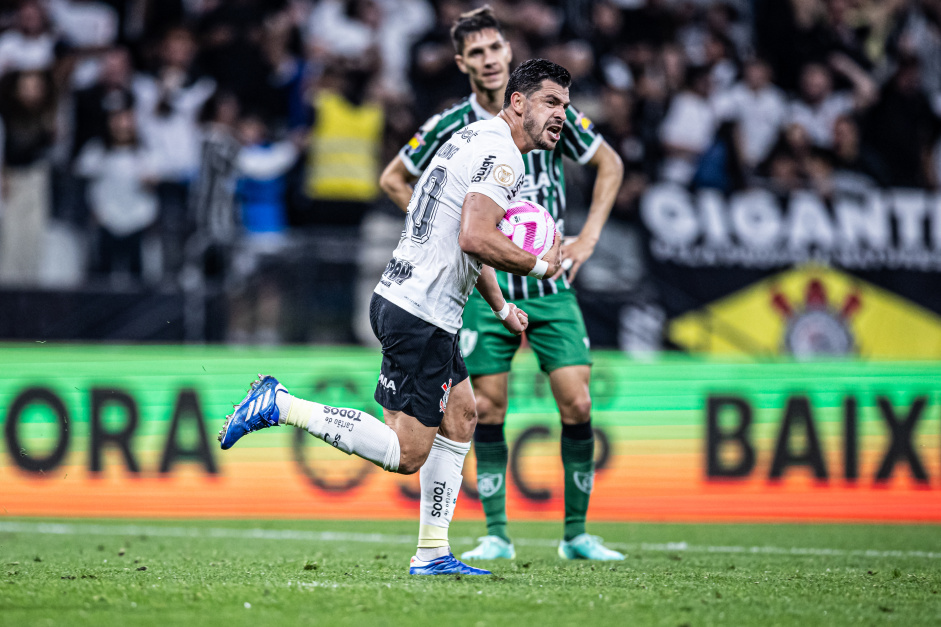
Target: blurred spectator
<point>263,166</point>
<point>27,108</point>
<point>87,28</point>
<point>688,128</point>
<point>121,172</point>
<point>111,92</point>
<point>345,146</point>
<point>384,29</point>
<point>721,165</point>
<point>213,196</point>
<point>434,74</point>
<point>919,34</point>
<point>231,52</point>
<point>818,107</point>
<point>168,104</point>
<point>30,44</point>
<point>904,126</point>
<point>758,107</point>
<point>856,166</point>
<point>617,127</point>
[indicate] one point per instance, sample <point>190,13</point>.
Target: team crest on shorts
<point>585,481</point>
<point>468,342</point>
<point>443,404</point>
<point>489,483</point>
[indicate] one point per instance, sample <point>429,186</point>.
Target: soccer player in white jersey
<point>450,244</point>
<point>556,331</point>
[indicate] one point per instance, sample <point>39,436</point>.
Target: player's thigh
<point>557,332</point>
<point>570,388</point>
<point>491,392</point>
<point>487,347</point>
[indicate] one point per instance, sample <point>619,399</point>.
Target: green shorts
<point>556,332</point>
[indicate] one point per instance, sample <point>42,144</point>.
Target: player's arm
<point>514,319</point>
<point>480,238</point>
<point>405,168</point>
<point>396,181</point>
<point>607,183</point>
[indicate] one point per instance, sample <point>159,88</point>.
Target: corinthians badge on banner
<point>811,311</point>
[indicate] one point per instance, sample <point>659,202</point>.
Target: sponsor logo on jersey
<point>468,341</point>
<point>488,483</point>
<point>443,404</point>
<point>398,271</point>
<point>448,150</point>
<point>504,175</point>
<point>516,188</point>
<point>484,169</point>
<point>387,383</point>
<point>467,134</point>
<point>582,121</point>
<point>585,481</point>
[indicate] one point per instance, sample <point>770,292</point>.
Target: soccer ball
<point>530,227</point>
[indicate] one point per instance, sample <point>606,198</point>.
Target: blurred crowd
<point>160,142</point>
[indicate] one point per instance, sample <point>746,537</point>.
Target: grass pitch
<point>334,573</point>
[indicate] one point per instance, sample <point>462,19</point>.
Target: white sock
<point>350,430</point>
<point>440,484</point>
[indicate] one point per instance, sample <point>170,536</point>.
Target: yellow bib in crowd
<point>345,143</point>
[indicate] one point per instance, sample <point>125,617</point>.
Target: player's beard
<point>536,135</point>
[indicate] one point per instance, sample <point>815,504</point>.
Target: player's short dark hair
<point>473,22</point>
<point>528,78</point>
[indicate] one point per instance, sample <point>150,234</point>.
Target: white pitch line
<point>78,529</point>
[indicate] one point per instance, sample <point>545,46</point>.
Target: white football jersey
<point>429,275</point>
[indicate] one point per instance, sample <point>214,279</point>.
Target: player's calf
<point>268,404</point>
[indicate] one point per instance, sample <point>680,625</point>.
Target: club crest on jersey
<point>489,484</point>
<point>484,169</point>
<point>467,134</point>
<point>468,342</point>
<point>585,481</point>
<point>504,175</point>
<point>416,142</point>
<point>582,121</point>
<point>443,404</point>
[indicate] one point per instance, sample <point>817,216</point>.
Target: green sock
<point>578,460</point>
<point>492,453</point>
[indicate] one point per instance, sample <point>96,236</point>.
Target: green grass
<point>105,573</point>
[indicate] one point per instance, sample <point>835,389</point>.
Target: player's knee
<point>576,411</point>
<point>411,460</point>
<point>490,412</point>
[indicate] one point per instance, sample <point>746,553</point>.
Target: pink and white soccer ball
<point>529,226</point>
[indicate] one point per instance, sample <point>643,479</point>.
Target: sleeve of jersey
<point>425,143</point>
<point>580,142</point>
<point>495,173</point>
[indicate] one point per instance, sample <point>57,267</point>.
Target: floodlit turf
<point>138,573</point>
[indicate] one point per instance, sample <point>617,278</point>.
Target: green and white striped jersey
<point>544,182</point>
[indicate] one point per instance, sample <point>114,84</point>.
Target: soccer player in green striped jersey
<point>556,328</point>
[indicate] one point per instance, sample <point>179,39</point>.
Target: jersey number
<point>427,206</point>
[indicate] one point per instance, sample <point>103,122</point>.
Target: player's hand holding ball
<point>531,227</point>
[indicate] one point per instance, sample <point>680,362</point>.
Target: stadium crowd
<point>161,142</point>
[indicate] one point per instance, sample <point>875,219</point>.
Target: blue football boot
<point>446,565</point>
<point>257,410</point>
